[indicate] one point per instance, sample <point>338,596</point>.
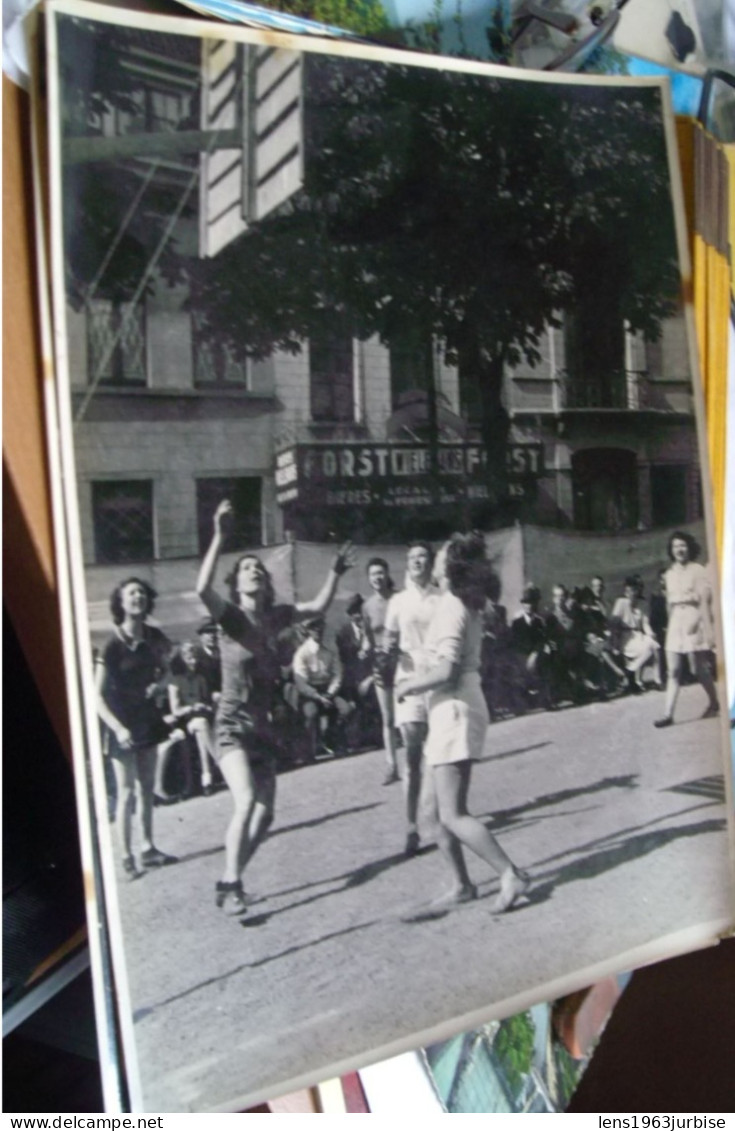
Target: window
<point>122,514</point>
<point>332,378</point>
<point>116,342</point>
<point>215,362</point>
<point>668,495</point>
<point>595,355</point>
<point>411,365</point>
<point>605,484</point>
<point>245,495</point>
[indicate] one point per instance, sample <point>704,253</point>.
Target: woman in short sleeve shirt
<point>458,716</point>
<point>251,626</point>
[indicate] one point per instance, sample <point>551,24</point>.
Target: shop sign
<point>395,474</point>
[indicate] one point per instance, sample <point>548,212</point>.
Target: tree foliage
<point>473,208</point>
<point>514,1046</point>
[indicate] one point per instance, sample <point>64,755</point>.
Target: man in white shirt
<point>406,622</point>
<point>317,675</point>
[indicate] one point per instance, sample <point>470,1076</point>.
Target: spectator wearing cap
<point>531,647</point>
<point>317,675</point>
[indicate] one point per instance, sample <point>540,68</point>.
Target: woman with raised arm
<point>458,715</point>
<point>245,743</point>
<point>127,675</point>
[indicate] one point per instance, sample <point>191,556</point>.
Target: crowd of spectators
<point>578,648</point>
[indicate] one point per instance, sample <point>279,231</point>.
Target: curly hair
<point>470,576</point>
<point>420,544</point>
<point>681,536</point>
<point>231,581</point>
<point>116,608</point>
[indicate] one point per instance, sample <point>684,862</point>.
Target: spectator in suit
<point>358,681</point>
<point>531,649</point>
<point>565,638</point>
<point>494,656</point>
<point>373,611</point>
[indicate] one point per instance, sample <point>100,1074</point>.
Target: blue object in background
<point>686,90</point>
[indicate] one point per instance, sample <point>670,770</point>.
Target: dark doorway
<point>668,495</point>
<point>605,489</point>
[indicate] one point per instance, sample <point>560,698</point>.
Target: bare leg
<point>414,735</point>
<point>385,703</point>
<point>450,848</point>
<point>261,818</point>
<point>452,784</point>
<point>124,769</point>
<point>674,664</point>
<point>238,776</point>
<point>163,752</point>
<point>705,677</point>
<point>146,759</point>
<point>202,732</point>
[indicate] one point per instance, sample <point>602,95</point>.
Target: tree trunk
<point>494,424</point>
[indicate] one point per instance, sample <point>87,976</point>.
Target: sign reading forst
<point>351,474</point>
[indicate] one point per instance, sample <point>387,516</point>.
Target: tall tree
<point>471,207</point>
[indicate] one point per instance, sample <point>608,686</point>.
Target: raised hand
<point>223,517</point>
<point>344,559</point>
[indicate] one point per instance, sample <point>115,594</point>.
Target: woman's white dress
<point>689,597</point>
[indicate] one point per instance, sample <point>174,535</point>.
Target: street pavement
<point>622,826</point>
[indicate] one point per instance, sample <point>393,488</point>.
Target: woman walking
<point>245,742</point>
<point>128,673</point>
<point>690,630</point>
<point>458,715</point>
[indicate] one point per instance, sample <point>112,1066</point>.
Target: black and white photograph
<point>389,529</point>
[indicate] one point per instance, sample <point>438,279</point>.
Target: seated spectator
<point>600,668</point>
<point>633,633</point>
<point>317,675</point>
<point>597,591</point>
<point>530,647</point>
<point>355,652</point>
<point>190,704</point>
<point>565,635</point>
<point>494,668</point>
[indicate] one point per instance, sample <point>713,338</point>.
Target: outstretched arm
<point>443,674</point>
<point>214,603</point>
<point>343,561</point>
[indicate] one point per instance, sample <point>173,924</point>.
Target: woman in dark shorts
<point>251,623</point>
<point>128,672</point>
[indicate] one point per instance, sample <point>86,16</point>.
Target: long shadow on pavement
<point>513,753</point>
<point>146,1011</point>
<point>501,818</point>
<point>621,852</point>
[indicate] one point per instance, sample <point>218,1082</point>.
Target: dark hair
<point>377,562</point>
<point>231,581</point>
<point>354,605</point>
<point>635,581</point>
<point>583,595</point>
<point>531,595</point>
<point>419,543</point>
<point>116,609</point>
<point>469,573</point>
<point>682,536</point>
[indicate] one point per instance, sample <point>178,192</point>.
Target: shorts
<point>412,709</point>
<point>457,725</point>
<point>255,739</point>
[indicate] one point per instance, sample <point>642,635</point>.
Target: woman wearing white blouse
<point>458,715</point>
<point>690,631</point>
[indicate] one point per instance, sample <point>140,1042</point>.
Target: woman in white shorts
<point>458,715</point>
